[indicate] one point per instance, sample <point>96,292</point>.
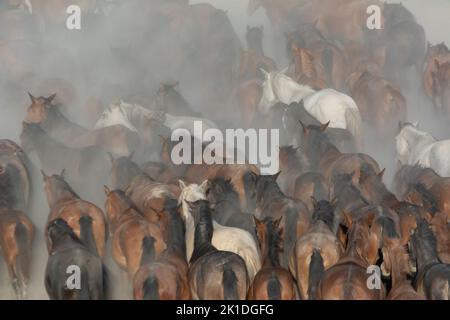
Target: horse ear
<point>107,190</point>
<point>205,185</point>
<point>275,176</point>
<point>416,124</point>
<point>324,127</point>
<point>44,175</point>
<point>63,173</point>
<point>314,202</point>
<point>265,73</point>
<point>50,98</point>
<point>277,222</point>
<point>399,164</point>
<point>334,202</point>
<point>111,157</point>
<point>32,98</point>
<point>162,139</point>
<point>305,128</point>
<point>181,184</point>
<point>130,157</point>
<point>381,174</point>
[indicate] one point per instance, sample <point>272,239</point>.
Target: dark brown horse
<point>166,277</point>
<point>433,277</point>
<point>15,177</point>
<point>272,282</point>
<point>316,251</point>
<point>214,274</point>
<point>65,204</point>
<point>327,159</point>
<point>16,237</point>
<point>71,262</point>
<point>171,101</point>
<point>224,202</point>
<point>271,202</point>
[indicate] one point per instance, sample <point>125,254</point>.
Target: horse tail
<point>229,282</point>
<point>87,234</point>
<point>316,270</point>
<point>290,237</point>
<point>151,288</point>
<point>354,124</point>
<point>148,250</point>
<point>327,62</point>
<point>273,287</point>
<point>22,264</point>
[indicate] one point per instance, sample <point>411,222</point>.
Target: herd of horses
<point>131,220</point>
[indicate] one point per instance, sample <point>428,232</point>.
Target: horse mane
<point>62,184</point>
<point>425,236</point>
<point>226,186</point>
<point>274,240</point>
<point>388,227</point>
<point>306,59</point>
<point>441,48</point>
<point>324,212</point>
<point>428,197</point>
<point>125,199</point>
<point>291,153</point>
<point>282,83</point>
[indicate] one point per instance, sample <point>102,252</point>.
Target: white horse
<point>325,105</point>
<point>224,238</point>
<point>133,116</point>
<point>418,147</point>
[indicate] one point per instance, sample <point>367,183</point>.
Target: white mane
<point>114,115</point>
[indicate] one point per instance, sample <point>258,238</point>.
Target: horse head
<point>191,193</point>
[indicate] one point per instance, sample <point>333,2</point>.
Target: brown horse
<point>436,55</point>
<point>123,170</point>
<point>310,184</point>
<point>307,69</point>
<point>396,263</point>
<point>347,279</point>
<point>316,251</point>
<point>65,204</point>
<point>115,139</point>
<point>442,83</point>
<point>380,102</point>
<point>131,229</point>
<point>433,277</point>
<point>16,237</point>
<point>272,282</point>
<point>271,202</point>
<point>166,277</point>
<point>214,274</point>
<point>291,167</point>
<point>15,176</point>
<point>326,158</point>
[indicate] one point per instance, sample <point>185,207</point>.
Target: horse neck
<point>425,253</point>
<point>202,239</point>
<point>56,120</point>
<point>272,193</point>
<point>61,195</point>
<point>399,262</point>
<point>419,138</point>
<point>175,236</point>
<point>287,90</point>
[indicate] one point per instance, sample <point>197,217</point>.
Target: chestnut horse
<point>316,251</point>
<point>214,274</point>
<point>130,231</point>
<point>380,102</point>
<point>166,277</point>
<point>347,279</point>
<point>307,69</point>
<point>272,282</point>
<point>16,237</point>
<point>65,204</point>
<point>436,55</point>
